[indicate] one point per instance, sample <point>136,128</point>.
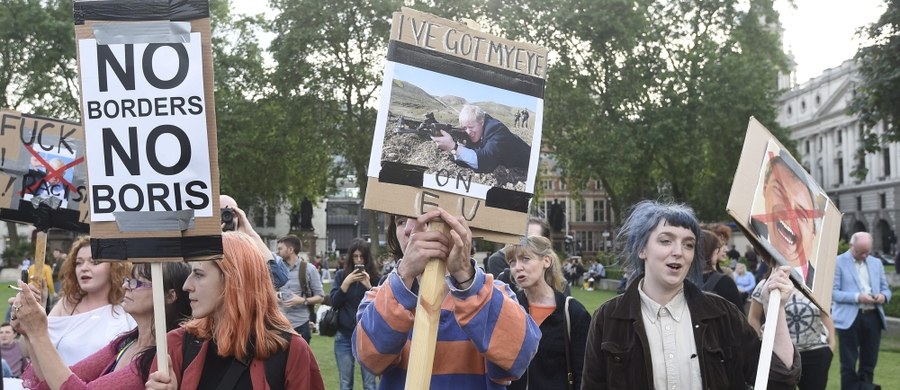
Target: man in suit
<point>858,298</point>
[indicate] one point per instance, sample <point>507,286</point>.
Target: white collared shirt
<point>862,268</point>
<point>671,343</point>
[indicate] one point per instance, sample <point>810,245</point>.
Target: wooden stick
<point>40,251</point>
<point>768,341</point>
<point>159,317</point>
<point>432,291</point>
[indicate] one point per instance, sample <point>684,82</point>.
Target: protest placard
<point>42,157</point>
<point>459,126</point>
<point>788,218</point>
<point>785,214</point>
<point>150,129</point>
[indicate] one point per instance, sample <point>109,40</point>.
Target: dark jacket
<point>346,302</point>
<point>547,369</point>
<point>619,358</point>
<point>499,146</point>
<point>725,287</point>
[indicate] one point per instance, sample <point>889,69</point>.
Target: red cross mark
<point>791,217</point>
<point>51,172</point>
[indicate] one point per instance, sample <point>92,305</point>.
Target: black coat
<point>619,357</point>
<point>346,302</point>
<point>548,368</point>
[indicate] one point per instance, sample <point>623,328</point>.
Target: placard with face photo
<point>785,214</point>
<point>459,124</point>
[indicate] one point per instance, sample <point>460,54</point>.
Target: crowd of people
<point>246,321</point>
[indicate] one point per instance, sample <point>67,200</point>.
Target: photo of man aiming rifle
<point>490,143</point>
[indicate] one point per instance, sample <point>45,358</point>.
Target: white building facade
<point>827,136</point>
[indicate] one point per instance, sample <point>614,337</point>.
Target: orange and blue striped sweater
<point>485,338</point>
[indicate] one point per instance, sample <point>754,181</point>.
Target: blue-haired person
<point>664,332</point>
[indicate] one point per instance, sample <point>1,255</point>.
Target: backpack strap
<point>277,364</point>
<point>713,280</point>
<point>301,272</point>
<point>190,347</point>
<point>570,375</point>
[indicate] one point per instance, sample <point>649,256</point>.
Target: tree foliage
<point>652,98</point>
<point>332,51</point>
<point>270,149</point>
<point>878,93</point>
<point>37,58</point>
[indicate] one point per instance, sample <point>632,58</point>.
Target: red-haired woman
<point>238,333</point>
<point>89,314</point>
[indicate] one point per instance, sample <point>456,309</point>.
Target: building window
<point>789,111</point>
<point>807,146</point>
<point>859,203</point>
<point>840,136</point>
<point>547,184</point>
<point>803,106</point>
<point>264,217</point>
<point>585,242</point>
<point>840,170</point>
<point>818,100</point>
<point>820,142</point>
<point>562,185</point>
<point>886,155</point>
<point>599,210</point>
<point>882,198</point>
<point>580,211</point>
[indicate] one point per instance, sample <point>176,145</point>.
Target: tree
<point>37,58</point>
<point>257,128</point>
<point>331,51</point>
<point>652,98</point>
<point>37,62</point>
<point>877,97</point>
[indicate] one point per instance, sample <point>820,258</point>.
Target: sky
<point>819,33</point>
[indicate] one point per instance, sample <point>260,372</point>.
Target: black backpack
<point>275,364</point>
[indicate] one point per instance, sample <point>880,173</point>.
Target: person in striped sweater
<point>485,339</point>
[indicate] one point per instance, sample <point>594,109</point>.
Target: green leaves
<point>37,58</point>
<point>877,97</point>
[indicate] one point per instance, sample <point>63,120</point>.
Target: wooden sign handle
<point>159,317</point>
<point>432,290</point>
<point>768,341</point>
<point>40,252</point>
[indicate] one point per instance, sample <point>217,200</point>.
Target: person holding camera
<point>349,289</point>
<point>234,219</point>
<point>298,298</point>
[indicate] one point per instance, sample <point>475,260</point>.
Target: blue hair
<point>635,234</point>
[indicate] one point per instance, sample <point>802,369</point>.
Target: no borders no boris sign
<point>147,109</point>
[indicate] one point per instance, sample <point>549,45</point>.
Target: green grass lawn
<point>886,372</point>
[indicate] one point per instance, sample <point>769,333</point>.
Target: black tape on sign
<point>412,55</point>
<point>140,10</point>
<point>403,174</point>
<point>503,198</point>
<point>156,247</point>
<point>65,219</point>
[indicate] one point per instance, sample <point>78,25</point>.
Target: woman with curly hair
<point>89,313</point>
<point>238,339</point>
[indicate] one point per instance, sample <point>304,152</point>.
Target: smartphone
<point>359,268</point>
<point>25,276</point>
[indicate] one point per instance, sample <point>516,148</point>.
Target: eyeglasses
<point>133,284</point>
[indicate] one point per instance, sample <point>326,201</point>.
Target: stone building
<point>827,136</point>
